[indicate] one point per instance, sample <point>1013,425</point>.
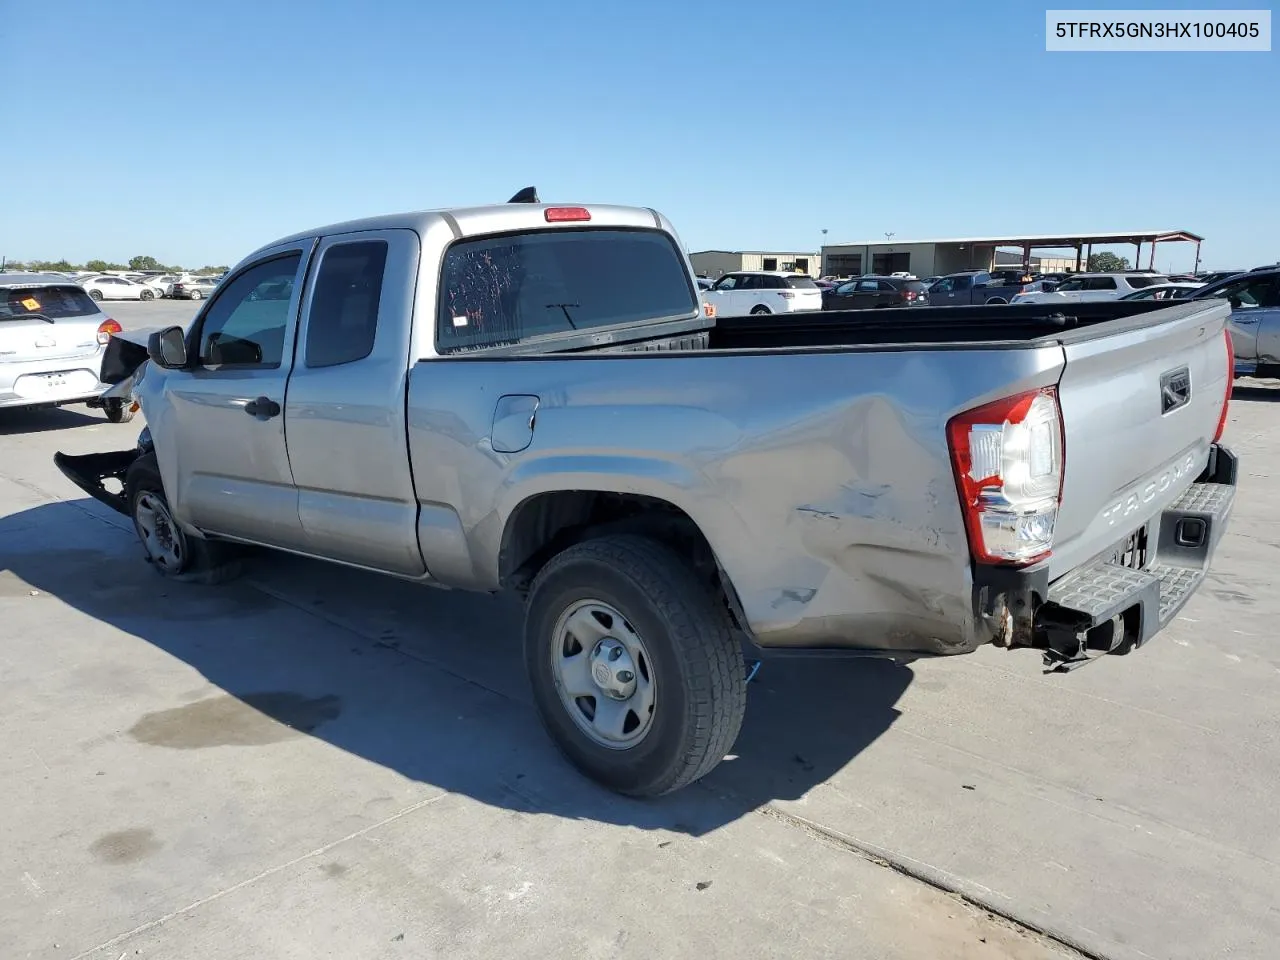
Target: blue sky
<point>194,133</point>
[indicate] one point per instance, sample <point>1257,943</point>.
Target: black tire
<point>691,648</point>
<point>761,309</point>
<point>200,561</point>
<point>995,300</point>
<point>195,295</point>
<point>147,295</point>
<point>118,410</point>
<point>95,295</point>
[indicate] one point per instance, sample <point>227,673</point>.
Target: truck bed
<point>812,450</point>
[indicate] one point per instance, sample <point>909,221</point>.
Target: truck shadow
<point>425,682</point>
<point>1256,393</point>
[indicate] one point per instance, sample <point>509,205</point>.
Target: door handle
<point>263,407</point>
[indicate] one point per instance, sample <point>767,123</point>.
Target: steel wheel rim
<point>603,675</point>
<point>161,539</point>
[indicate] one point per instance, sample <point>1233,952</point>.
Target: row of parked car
<point>765,292</point>
<point>142,286</point>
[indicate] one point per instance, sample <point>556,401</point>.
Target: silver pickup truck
<point>533,397</point>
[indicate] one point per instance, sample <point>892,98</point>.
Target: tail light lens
<point>566,214</point>
<point>1231,377</point>
<point>1008,458</point>
<point>106,328</point>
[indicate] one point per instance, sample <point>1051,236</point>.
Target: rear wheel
<point>167,546</point>
<point>96,295</point>
<point>762,309</point>
<point>636,672</point>
<point>147,295</point>
<point>995,300</point>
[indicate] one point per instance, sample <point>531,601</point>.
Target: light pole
<point>822,267</point>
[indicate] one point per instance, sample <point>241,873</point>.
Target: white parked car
<point>760,292</point>
<point>1164,291</point>
<point>1093,286</point>
<point>118,288</point>
<point>52,338</point>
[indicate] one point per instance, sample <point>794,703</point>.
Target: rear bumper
<point>1116,603</point>
<point>35,383</point>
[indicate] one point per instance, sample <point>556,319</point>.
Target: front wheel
<point>195,294</point>
<point>168,548</point>
<point>636,672</point>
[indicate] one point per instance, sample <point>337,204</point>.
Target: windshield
<point>54,302</point>
<point>503,290</point>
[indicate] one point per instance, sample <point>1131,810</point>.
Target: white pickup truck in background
<point>759,292</point>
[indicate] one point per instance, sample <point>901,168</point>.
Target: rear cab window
<point>54,301</point>
<point>505,290</point>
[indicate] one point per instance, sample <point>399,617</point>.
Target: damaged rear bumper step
<point>1107,606</point>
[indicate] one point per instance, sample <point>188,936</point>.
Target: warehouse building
<point>716,263</point>
<point>932,258</point>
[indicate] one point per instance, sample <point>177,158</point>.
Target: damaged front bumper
<point>1115,603</point>
<point>92,472</point>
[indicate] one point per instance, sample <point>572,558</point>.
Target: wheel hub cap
<point>613,670</point>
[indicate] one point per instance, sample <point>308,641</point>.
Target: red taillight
<point>566,214</point>
<point>911,294</point>
<point>1231,377</point>
<point>106,328</point>
<point>1008,460</point>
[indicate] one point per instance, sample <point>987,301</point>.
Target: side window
<point>845,289</point>
<point>344,303</point>
<point>728,282</point>
<point>945,285</point>
<point>1100,283</point>
<point>868,286</point>
<point>887,287</point>
<point>750,282</point>
<point>774,283</point>
<point>962,283</point>
<point>1250,293</point>
<point>246,322</point>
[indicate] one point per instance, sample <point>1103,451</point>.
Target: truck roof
<point>491,218</point>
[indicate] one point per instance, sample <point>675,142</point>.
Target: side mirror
<point>168,348</point>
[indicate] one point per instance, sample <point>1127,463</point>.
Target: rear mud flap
<point>90,472</point>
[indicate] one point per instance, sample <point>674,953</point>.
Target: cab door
<point>220,434</point>
<point>345,406</point>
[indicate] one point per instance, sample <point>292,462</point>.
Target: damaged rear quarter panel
<point>821,479</point>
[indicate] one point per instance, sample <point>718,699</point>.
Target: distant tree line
<point>102,266</point>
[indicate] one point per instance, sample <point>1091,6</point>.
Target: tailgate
<point>1141,398</point>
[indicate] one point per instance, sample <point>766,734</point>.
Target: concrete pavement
<point>314,762</point>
